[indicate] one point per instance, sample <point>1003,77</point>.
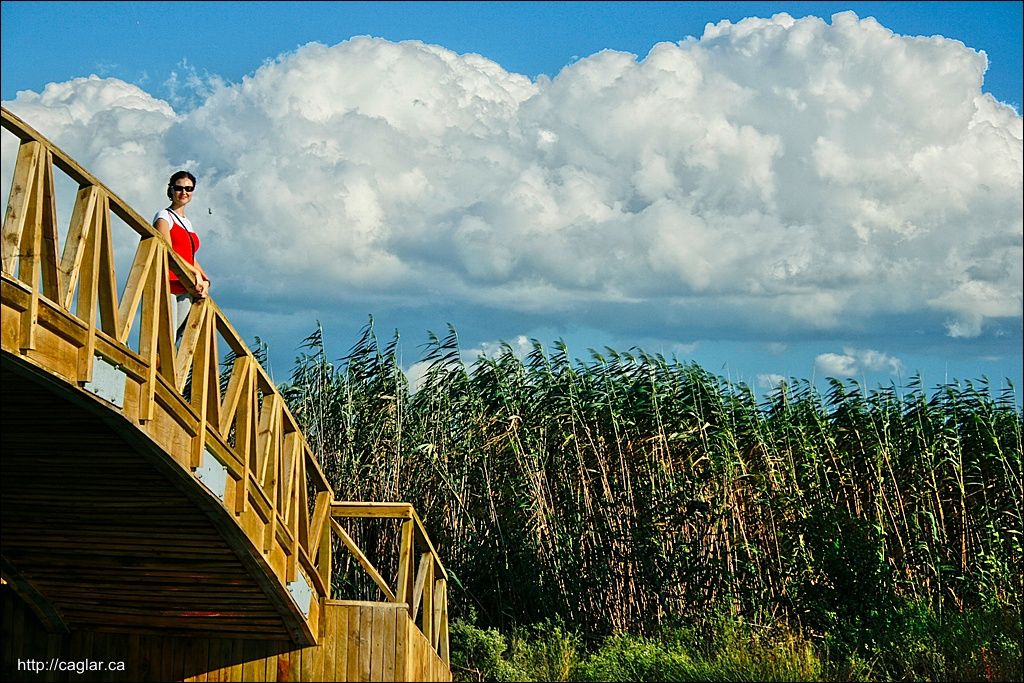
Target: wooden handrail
<point>422,580</point>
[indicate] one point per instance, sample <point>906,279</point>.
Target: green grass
<point>976,646</point>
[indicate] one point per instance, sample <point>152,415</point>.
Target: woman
<point>177,229</point>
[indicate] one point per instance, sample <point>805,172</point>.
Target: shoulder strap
<point>187,231</point>
<point>180,222</point>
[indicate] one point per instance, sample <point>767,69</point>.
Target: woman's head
<point>180,179</point>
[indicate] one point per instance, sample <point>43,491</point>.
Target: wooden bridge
<point>162,515</point>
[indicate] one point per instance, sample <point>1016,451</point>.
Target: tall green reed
<point>622,491</point>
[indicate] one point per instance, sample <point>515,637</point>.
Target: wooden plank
<point>7,641</point>
<point>171,612</point>
<point>435,617</point>
<point>443,645</point>
<point>286,476</point>
<point>292,493</point>
<point>99,650</point>
<point>165,650</point>
<point>106,291</point>
<point>149,325</point>
<point>237,669</point>
<point>210,413</point>
<point>300,495</point>
<point>298,664</point>
<point>365,642</point>
<point>389,643</point>
<point>322,536</point>
<point>268,452</point>
<point>426,539</point>
<point>314,470</point>
<point>181,654</point>
<point>405,550</point>
<point>80,229</point>
<point>218,660</point>
<point>330,655</point>
<point>341,643</point>
<point>274,662</point>
<point>325,558</point>
<point>402,664</point>
<point>48,231</point>
<point>165,653</point>
<point>28,267</point>
<point>289,665</point>
<point>17,632</point>
<point>160,291</point>
<point>305,669</point>
<point>355,631</point>
<point>54,650</point>
<point>427,620</point>
<point>82,256</point>
<point>179,657</point>
<point>204,381</point>
<point>197,664</point>
<point>17,215</point>
<point>418,654</point>
<point>191,337</point>
<point>255,665</point>
<point>79,643</point>
<point>421,580</point>
<point>317,664</point>
<point>237,385</point>
<point>299,512</point>
<point>245,441</point>
<point>376,510</point>
<point>267,435</point>
<point>135,287</point>
<point>138,664</point>
<point>377,646</point>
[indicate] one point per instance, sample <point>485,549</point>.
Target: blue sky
<point>451,217</point>
<point>139,41</point>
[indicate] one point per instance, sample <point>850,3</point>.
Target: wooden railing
<point>172,392</point>
<point>422,582</point>
<point>73,316</point>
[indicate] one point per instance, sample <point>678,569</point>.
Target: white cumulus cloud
<point>852,362</point>
<point>773,174</point>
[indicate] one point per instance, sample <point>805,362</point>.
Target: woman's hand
<point>202,287</point>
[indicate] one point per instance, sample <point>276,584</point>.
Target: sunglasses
<point>182,188</point>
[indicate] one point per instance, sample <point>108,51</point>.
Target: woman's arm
<point>202,280</point>
<point>164,228</point>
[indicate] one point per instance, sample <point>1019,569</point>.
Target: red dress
<point>185,245</point>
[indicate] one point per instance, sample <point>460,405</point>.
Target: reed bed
<point>629,491</point>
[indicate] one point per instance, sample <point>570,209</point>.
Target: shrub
<point>542,652</point>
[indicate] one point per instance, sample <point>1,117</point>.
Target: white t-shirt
<point>166,215</point>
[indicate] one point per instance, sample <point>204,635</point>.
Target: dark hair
<point>176,177</point>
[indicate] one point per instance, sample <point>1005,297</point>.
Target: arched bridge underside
<point>112,534</point>
<point>159,488</point>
